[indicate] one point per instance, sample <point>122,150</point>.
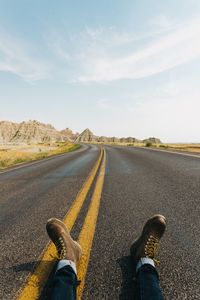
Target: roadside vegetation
<point>182,147</point>
<point>176,147</point>
<point>148,144</point>
<point>10,156</point>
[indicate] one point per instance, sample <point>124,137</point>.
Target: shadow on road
<point>127,286</point>
<point>31,266</point>
<point>128,279</point>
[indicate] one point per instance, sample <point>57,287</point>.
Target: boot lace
<point>151,248</point>
<point>61,249</point>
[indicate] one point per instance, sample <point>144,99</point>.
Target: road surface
<point>138,183</point>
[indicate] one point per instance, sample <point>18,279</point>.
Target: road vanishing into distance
<point>121,187</point>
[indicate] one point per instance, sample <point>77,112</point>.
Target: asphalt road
<point>138,183</point>
<point>29,196</point>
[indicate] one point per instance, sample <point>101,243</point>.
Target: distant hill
<point>7,131</point>
<point>88,136</point>
<point>152,140</point>
<point>69,133</point>
<point>32,132</point>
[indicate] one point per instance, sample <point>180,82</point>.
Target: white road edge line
<point>173,152</point>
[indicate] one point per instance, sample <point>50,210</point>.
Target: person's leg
<point>147,283</point>
<point>69,252</point>
<point>64,283</point>
<point>142,254</point>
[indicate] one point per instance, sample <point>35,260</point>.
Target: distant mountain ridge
<point>31,132</point>
<point>88,136</point>
<point>34,132</point>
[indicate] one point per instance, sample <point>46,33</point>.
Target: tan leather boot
<point>66,247</point>
<point>146,245</point>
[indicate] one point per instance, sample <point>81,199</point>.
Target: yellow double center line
<point>87,233</point>
<point>38,279</point>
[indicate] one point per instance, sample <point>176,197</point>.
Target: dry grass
<point>183,147</point>
<point>176,147</point>
<point>13,155</point>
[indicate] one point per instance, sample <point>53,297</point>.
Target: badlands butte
<point>34,132</point>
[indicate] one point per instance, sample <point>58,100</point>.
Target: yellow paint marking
<point>88,230</point>
<point>38,279</point>
<point>73,212</point>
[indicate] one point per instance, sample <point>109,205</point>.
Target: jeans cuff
<point>65,262</point>
<point>143,261</point>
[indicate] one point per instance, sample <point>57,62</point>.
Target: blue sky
<point>121,68</point>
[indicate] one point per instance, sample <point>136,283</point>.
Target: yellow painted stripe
<point>88,230</point>
<point>38,279</point>
<point>73,212</point>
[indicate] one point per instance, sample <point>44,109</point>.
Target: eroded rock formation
<point>32,132</point>
<point>88,137</point>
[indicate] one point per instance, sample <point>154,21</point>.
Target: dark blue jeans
<point>64,284</point>
<point>147,284</point>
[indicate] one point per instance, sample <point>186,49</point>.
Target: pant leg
<point>64,284</point>
<point>147,284</point>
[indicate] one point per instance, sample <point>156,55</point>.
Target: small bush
<point>148,144</point>
<point>19,160</point>
<point>3,163</point>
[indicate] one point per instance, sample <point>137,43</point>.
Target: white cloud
<point>104,104</point>
<point>15,58</point>
<point>163,22</point>
<point>104,57</point>
<point>170,112</point>
<point>103,54</point>
<point>106,36</point>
